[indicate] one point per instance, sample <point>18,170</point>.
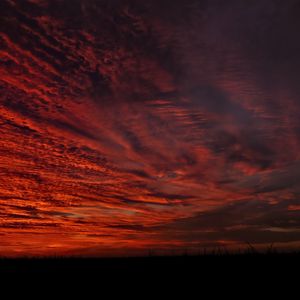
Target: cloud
<point>257,222</point>
<point>145,124</point>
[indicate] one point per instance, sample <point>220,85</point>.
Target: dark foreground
<point>243,275</point>
<point>186,277</point>
<point>210,265</point>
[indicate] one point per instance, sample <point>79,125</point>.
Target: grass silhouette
<point>219,258</point>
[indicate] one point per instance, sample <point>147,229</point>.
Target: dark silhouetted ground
<point>210,265</point>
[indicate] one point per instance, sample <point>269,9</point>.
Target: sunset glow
<point>133,125</point>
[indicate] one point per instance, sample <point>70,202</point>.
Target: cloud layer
<point>132,125</point>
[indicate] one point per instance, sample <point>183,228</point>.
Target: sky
<point>130,125</point>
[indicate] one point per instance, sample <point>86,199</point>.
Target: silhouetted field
<point>211,265</point>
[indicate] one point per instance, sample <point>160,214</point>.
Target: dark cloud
<point>248,221</point>
<point>170,196</point>
<point>129,227</point>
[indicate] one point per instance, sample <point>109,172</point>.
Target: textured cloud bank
<point>132,125</point>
